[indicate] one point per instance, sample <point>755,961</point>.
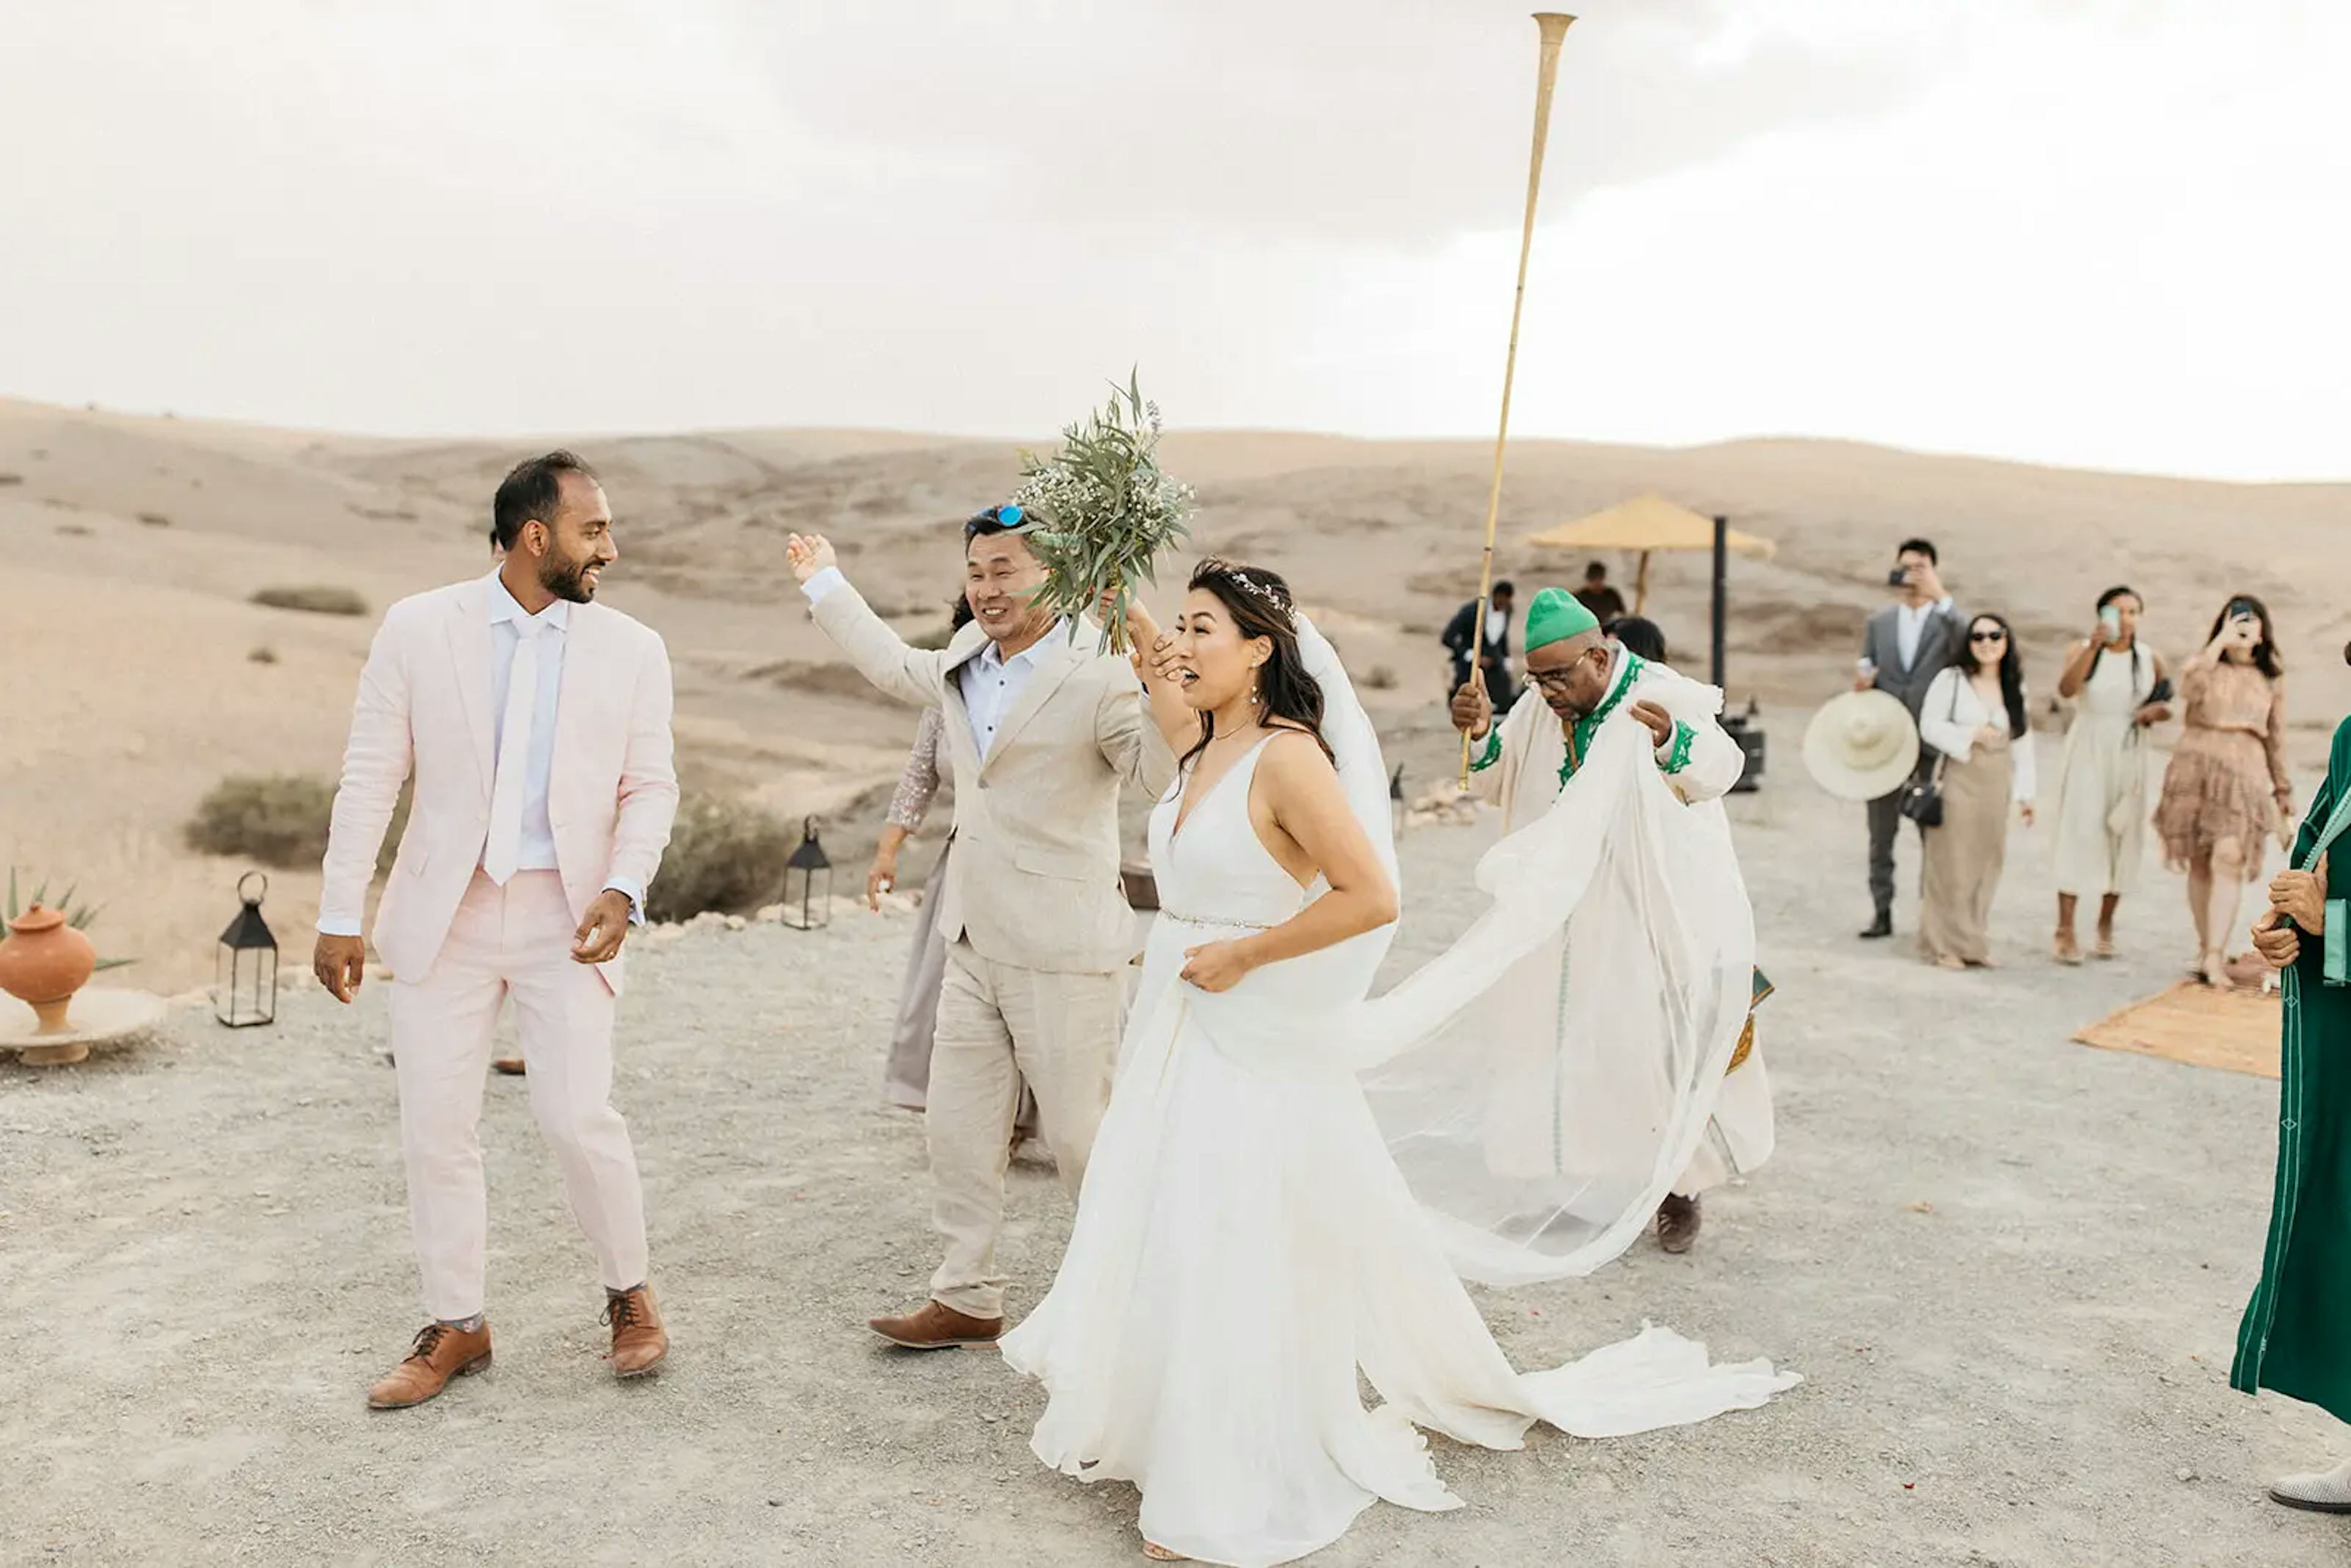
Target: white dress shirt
<point>552,625</point>
<point>991,683</point>
<point>1498,623</point>
<point>1910,621</point>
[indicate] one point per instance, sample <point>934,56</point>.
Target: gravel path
<point>2009,1268</point>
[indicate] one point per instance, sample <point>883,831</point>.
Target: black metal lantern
<point>244,980</point>
<point>808,883</point>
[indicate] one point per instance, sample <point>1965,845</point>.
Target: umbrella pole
<point>1722,594</point>
<point>1641,586</point>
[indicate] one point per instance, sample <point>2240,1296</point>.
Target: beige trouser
<point>1000,1024</point>
<point>515,940</point>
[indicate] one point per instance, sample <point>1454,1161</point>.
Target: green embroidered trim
<point>2335,968</point>
<point>1580,733</point>
<point>1679,758</point>
<point>1493,752</point>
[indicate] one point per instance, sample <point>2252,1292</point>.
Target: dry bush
<point>316,599</point>
<point>155,519</point>
<point>263,656</point>
<point>279,819</point>
<point>11,478</point>
<point>724,855</point>
<point>1382,679</point>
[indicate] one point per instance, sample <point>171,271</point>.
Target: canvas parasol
<point>1650,522</point>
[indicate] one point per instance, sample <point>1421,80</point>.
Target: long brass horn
<point>1554,26</point>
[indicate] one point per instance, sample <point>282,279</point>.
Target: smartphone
<point>2112,620</point>
<point>1898,578</point>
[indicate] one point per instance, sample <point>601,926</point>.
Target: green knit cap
<point>1554,617</point>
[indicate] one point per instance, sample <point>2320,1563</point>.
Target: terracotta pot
<point>44,962</point>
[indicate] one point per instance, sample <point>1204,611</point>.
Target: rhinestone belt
<point>1203,920</point>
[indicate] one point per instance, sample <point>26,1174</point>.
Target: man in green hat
<point>1588,681</point>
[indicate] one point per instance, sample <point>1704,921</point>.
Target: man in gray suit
<point>1903,648</point>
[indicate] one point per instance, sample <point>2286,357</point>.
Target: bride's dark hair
<point>1260,604</point>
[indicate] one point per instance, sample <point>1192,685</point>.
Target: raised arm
<point>1163,694</point>
<point>1136,746</point>
<point>1302,791</point>
<point>917,675</point>
<point>2078,660</point>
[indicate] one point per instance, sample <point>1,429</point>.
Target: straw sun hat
<point>1861,746</point>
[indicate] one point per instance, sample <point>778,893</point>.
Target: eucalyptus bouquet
<point>1104,510</point>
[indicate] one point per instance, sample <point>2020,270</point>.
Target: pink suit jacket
<point>425,706</point>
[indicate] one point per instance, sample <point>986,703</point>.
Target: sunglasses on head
<point>1010,518</point>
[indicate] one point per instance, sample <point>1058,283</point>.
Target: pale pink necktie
<point>504,848</point>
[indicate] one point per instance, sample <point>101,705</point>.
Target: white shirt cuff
<point>633,894</point>
<point>338,925</point>
<point>823,583</point>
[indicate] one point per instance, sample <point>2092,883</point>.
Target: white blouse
<point>1953,713</point>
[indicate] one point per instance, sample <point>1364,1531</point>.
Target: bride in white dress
<point>1245,1244</point>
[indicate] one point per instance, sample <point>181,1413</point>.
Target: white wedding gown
<point>1246,1245</point>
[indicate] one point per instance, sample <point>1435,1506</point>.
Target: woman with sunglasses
<point>1974,715</point>
<point>2226,789</point>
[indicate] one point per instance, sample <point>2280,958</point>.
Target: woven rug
<point>2234,1030</point>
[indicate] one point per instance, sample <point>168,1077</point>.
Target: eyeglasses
<point>1987,636</point>
<point>1555,681</point>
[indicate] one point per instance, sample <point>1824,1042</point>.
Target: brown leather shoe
<point>639,1340</point>
<point>441,1352</point>
<point>512,1066</point>
<point>935,1326</point>
<point>1678,1221</point>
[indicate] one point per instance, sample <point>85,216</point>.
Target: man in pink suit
<point>537,723</point>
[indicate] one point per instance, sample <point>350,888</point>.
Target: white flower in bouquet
<point>1104,510</point>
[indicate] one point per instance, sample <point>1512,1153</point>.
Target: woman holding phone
<point>2119,688</point>
<point>2226,789</point>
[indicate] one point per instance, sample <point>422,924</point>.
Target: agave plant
<point>78,915</point>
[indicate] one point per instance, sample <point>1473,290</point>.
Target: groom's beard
<point>567,579</point>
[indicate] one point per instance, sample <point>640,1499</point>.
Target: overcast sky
<point>2110,233</point>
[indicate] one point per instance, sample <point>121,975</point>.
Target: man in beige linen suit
<point>537,726</point>
<point>1044,730</point>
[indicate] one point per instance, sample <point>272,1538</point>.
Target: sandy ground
<point>2009,1268</point>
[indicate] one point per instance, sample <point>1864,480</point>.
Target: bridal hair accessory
<point>1263,592</point>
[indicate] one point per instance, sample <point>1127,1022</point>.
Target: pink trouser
<point>516,940</point>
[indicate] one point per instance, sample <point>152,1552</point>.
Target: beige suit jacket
<point>424,707</point>
<point>1034,879</point>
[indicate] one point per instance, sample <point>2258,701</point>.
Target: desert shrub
<point>724,855</point>
<point>933,638</point>
<point>11,478</point>
<point>279,819</point>
<point>155,519</point>
<point>264,655</point>
<point>1381,679</point>
<point>316,599</point>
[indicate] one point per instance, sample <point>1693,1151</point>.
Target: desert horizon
<point>148,535</point>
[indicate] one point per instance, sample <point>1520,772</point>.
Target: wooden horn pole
<point>1554,26</point>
